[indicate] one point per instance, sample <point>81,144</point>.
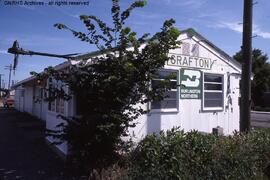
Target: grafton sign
<point>190,61</point>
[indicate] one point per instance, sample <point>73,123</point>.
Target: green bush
<point>192,155</point>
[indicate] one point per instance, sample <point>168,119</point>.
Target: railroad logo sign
<point>190,84</point>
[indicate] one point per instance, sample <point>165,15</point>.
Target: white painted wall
<point>37,104</point>
<point>52,121</point>
<point>28,99</point>
<point>19,98</point>
<point>44,110</point>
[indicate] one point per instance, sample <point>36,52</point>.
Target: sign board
<point>190,84</point>
<point>190,61</point>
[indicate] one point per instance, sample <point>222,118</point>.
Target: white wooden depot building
<point>205,96</point>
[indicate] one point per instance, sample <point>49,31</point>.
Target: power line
<point>9,76</point>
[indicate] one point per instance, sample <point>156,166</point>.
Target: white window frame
<point>220,108</point>
<point>61,102</point>
<point>177,95</point>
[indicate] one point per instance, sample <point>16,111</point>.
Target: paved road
<point>23,151</point>
<point>260,119</point>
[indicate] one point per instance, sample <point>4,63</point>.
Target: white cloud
<point>234,26</point>
<point>258,31</point>
<point>238,27</point>
<point>265,35</point>
<point>3,51</point>
<point>75,16</point>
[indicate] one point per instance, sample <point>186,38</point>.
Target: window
<point>213,91</point>
<point>170,97</point>
<point>57,105</point>
<point>60,106</point>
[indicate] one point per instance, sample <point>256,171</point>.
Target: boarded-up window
<point>195,50</point>
<point>186,49</point>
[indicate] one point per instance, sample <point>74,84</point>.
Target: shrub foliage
<point>179,155</point>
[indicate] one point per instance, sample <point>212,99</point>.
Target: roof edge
<point>193,32</point>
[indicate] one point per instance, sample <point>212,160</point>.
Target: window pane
<point>213,95</point>
<point>213,99</point>
<point>170,94</point>
<point>173,84</point>
<point>208,86</point>
<point>168,73</point>
<point>155,83</point>
<point>165,104</point>
<point>212,78</point>
<point>213,82</point>
<point>212,103</point>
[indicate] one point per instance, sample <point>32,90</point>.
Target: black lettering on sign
<point>189,61</point>
<point>179,60</point>
<point>201,63</point>
<point>172,59</point>
<point>185,62</point>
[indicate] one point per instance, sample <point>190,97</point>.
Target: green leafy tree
<point>112,90</point>
<point>261,71</point>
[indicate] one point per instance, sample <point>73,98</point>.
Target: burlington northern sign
<point>190,61</point>
<point>191,84</point>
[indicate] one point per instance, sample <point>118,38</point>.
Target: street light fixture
<point>16,50</point>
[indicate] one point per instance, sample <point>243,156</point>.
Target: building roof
<point>190,32</point>
<point>32,78</point>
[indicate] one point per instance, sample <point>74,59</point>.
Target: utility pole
<point>246,67</point>
<point>1,84</point>
<point>9,76</point>
<point>1,80</point>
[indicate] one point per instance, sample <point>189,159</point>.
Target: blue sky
<point>218,20</point>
